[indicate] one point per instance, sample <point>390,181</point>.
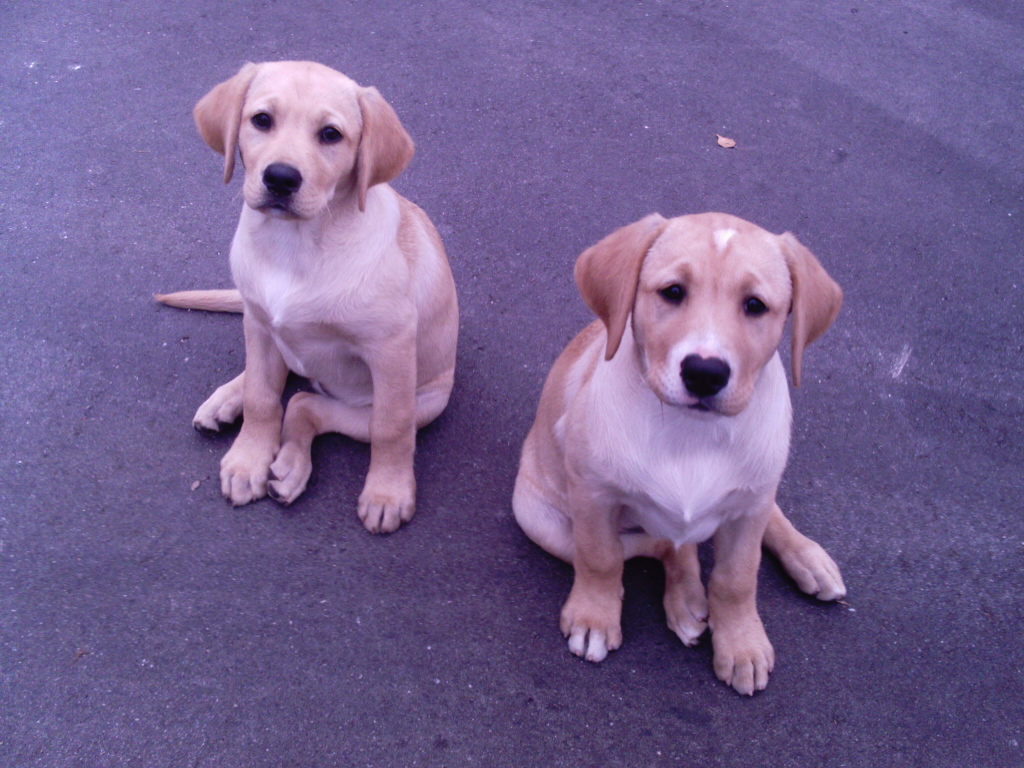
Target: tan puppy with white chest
<point>667,422</point>
<point>340,280</point>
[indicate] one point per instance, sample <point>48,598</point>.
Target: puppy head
<point>306,134</point>
<point>708,296</point>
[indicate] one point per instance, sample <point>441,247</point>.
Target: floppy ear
<point>816,298</point>
<point>607,274</point>
<point>384,147</point>
<point>219,114</point>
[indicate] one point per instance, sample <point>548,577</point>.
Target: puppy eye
<point>330,135</point>
<point>754,307</point>
<point>262,121</point>
<point>673,294</point>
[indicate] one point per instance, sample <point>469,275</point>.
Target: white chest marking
<point>679,475</point>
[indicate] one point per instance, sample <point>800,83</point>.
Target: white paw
<point>687,620</point>
<point>686,608</point>
<point>289,473</point>
<point>590,644</point>
<point>814,571</point>
<point>743,657</point>
<point>383,507</point>
<point>591,620</point>
<point>223,407</point>
<point>243,472</point>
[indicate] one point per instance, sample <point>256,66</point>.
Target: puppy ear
<point>219,114</point>
<point>816,298</point>
<point>607,274</point>
<point>385,148</point>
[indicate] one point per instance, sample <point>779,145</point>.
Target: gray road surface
<point>144,622</point>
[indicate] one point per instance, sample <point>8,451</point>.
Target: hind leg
<point>545,525</point>
<point>223,407</point>
<point>310,414</point>
<point>686,602</point>
<point>807,563</point>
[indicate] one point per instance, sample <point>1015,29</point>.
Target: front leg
<point>592,616</point>
<point>244,468</point>
<point>389,495</point>
<point>743,656</point>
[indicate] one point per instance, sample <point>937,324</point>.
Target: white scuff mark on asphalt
<point>901,362</point>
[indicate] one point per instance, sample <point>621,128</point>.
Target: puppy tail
<point>229,300</point>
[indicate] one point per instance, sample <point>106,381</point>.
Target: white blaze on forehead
<point>722,237</point>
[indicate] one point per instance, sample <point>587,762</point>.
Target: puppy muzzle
<point>280,183</point>
<point>704,378</point>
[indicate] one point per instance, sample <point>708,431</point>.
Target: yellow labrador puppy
<point>667,422</point>
<point>340,279</point>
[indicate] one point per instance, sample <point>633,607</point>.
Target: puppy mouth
<point>714,407</point>
<point>277,208</point>
<point>704,405</point>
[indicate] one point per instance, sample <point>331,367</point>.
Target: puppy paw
<point>289,473</point>
<point>222,408</point>
<point>591,622</point>
<point>384,506</point>
<point>686,609</point>
<point>244,470</point>
<point>817,574</point>
<point>743,657</point>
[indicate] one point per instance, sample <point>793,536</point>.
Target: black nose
<point>705,376</point>
<point>281,180</point>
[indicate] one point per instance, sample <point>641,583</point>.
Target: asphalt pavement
<point>145,622</point>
